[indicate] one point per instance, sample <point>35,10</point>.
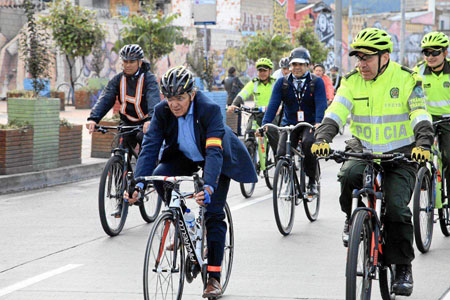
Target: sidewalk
<point>90,167</point>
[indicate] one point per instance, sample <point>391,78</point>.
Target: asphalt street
<point>53,247</point>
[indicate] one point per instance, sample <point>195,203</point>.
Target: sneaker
<point>403,282</point>
<point>311,189</point>
<point>346,233</point>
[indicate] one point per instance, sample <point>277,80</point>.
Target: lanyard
<point>300,92</point>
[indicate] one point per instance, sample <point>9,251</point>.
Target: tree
<point>97,56</point>
<point>154,32</point>
<point>305,37</point>
<point>233,57</point>
<point>35,49</point>
<point>75,31</point>
<point>265,44</point>
<point>196,61</point>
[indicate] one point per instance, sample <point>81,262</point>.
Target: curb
<point>37,180</point>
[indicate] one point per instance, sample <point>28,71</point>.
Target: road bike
<point>174,252</point>
<point>260,151</point>
<point>289,189</point>
<point>367,233</point>
<point>113,208</point>
<point>430,193</point>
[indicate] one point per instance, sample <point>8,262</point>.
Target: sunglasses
<point>434,53</point>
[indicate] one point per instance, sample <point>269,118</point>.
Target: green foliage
<point>154,32</point>
<point>307,38</point>
<point>35,49</point>
<point>233,57</point>
<point>15,124</point>
<point>196,62</point>
<point>265,44</point>
<point>65,123</point>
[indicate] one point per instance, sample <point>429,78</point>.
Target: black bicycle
<point>113,208</point>
<point>367,236</point>
<point>289,190</point>
<point>430,193</point>
<point>175,251</point>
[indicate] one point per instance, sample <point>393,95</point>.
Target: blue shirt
<point>186,136</point>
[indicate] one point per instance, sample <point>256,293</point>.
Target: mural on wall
<point>255,22</point>
<point>280,20</point>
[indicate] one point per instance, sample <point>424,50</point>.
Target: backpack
<point>285,86</point>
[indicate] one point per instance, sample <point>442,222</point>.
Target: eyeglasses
<point>262,70</point>
<point>433,53</point>
<point>364,57</point>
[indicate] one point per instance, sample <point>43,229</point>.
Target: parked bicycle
<point>289,189</point>
<point>367,237</point>
<point>430,193</point>
<point>113,208</point>
<point>174,252</point>
<point>260,151</point>
<point>69,92</point>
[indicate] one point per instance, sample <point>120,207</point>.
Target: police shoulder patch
<point>407,70</point>
<point>352,72</point>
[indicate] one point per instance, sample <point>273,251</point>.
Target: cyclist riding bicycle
<point>388,114</point>
<point>304,100</point>
<point>435,72</point>
<point>284,68</point>
<point>137,90</point>
<point>195,137</point>
<point>261,89</point>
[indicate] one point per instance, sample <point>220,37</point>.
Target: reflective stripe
<point>255,91</point>
<point>380,119</point>
<point>138,97</point>
<point>334,117</point>
<point>388,146</point>
<point>344,101</point>
<point>441,103</point>
<point>213,142</point>
<point>136,101</point>
<point>420,118</point>
<point>214,269</point>
<point>246,94</point>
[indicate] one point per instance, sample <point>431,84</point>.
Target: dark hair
<point>334,68</point>
<point>319,65</point>
<point>231,70</point>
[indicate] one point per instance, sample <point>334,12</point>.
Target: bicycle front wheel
<point>444,212</point>
<point>386,276</point>
<point>358,275</point>
<point>312,202</point>
<point>113,210</point>
<point>151,206</point>
<point>163,277</point>
<point>283,197</point>
<point>248,188</point>
<point>423,210</point>
<point>228,254</point>
<point>269,172</point>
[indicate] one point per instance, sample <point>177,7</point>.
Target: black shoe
<point>311,189</point>
<point>346,233</point>
<point>403,282</point>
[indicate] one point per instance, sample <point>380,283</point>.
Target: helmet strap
<point>439,67</point>
<point>380,68</point>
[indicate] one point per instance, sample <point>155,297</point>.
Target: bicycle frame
<point>261,142</point>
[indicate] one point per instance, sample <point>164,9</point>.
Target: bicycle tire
<point>113,167</point>
<point>151,206</point>
<point>423,210</point>
<point>270,167</point>
<point>161,235</point>
<point>361,234</point>
<point>312,204</point>
<point>247,189</point>
<point>386,276</point>
<point>228,254</point>
<point>283,178</point>
<point>444,212</point>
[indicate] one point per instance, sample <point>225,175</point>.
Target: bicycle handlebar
<point>119,128</point>
<point>289,127</point>
<point>247,109</point>
<point>446,120</point>
<point>340,156</point>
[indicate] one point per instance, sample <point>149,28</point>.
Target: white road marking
<point>35,279</point>
<point>446,296</point>
<point>251,202</point>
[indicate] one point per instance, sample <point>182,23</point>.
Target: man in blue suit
<point>304,100</point>
<point>195,137</point>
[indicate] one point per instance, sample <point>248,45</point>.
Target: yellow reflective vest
<point>384,112</point>
<point>436,88</point>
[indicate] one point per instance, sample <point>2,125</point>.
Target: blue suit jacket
<point>232,159</point>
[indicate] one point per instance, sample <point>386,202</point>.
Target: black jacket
<point>150,94</point>
<point>233,86</point>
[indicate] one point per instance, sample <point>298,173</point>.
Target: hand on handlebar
<point>91,126</point>
<point>321,149</point>
<point>261,131</point>
<point>204,197</point>
<point>420,154</point>
<point>231,108</point>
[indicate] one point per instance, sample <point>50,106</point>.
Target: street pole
<point>350,15</point>
<point>338,34</point>
<point>205,45</point>
<point>402,32</point>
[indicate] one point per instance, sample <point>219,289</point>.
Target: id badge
<point>300,116</point>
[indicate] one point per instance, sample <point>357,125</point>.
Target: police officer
<point>435,73</point>
<point>388,114</point>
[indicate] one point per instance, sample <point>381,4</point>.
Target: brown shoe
<point>213,288</point>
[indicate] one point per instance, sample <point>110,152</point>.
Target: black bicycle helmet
<point>300,55</point>
<point>284,62</point>
<point>177,81</point>
<point>131,52</point>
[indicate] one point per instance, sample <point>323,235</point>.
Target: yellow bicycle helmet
<point>371,41</point>
<point>435,40</point>
<point>264,63</point>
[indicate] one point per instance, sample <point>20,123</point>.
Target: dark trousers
<point>398,185</point>
<point>216,228</point>
<point>132,139</point>
<point>444,143</point>
<point>272,133</point>
<point>307,139</point>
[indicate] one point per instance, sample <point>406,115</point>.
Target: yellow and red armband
<point>213,142</point>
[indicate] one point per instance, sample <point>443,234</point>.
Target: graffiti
<point>280,21</point>
<point>324,27</point>
<point>254,23</point>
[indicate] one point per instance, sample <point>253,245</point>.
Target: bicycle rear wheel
<point>152,205</point>
<point>163,278</point>
<point>228,254</point>
<point>269,172</point>
<point>312,202</point>
<point>248,188</point>
<point>283,197</point>
<point>386,276</point>
<point>444,212</point>
<point>358,276</point>
<point>423,211</point>
<point>112,208</point>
